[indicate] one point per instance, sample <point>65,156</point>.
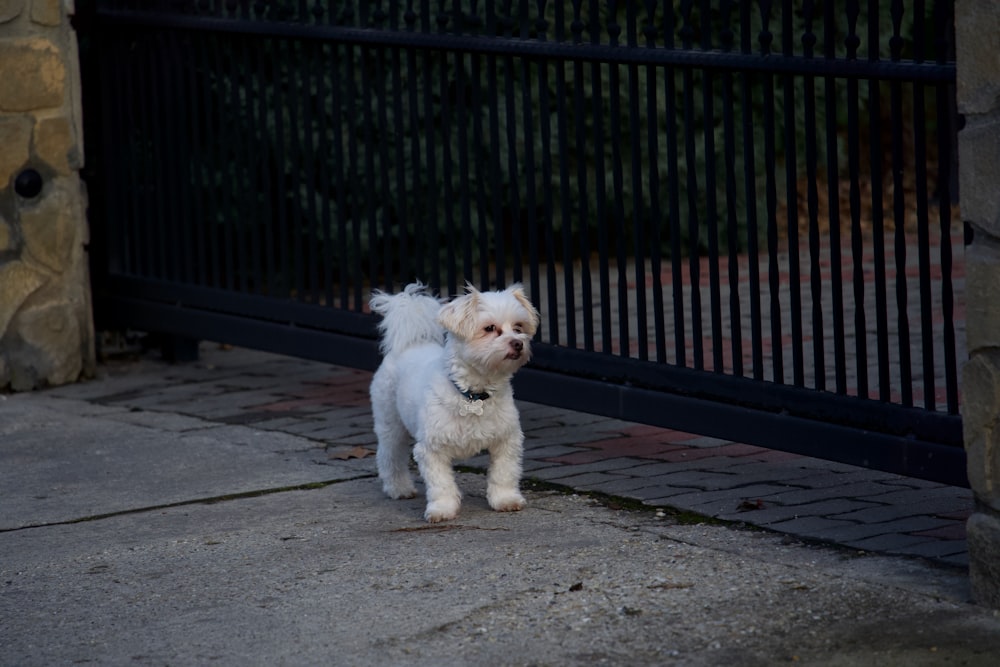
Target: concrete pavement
<point>227,511</point>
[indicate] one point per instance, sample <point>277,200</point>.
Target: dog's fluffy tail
<point>408,318</point>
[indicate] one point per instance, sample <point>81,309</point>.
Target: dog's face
<point>494,328</point>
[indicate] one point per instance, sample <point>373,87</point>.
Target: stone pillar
<point>46,329</point>
<point>977,26</point>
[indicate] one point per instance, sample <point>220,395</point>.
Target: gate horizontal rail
<point>772,63</point>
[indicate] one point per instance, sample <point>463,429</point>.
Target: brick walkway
<point>803,497</point>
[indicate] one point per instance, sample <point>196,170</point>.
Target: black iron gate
<point>734,216</point>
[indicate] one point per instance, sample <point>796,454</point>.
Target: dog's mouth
<point>514,356</point>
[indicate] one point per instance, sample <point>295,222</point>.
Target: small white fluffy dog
<point>444,382</point>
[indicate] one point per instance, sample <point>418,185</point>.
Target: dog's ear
<point>517,292</point>
<point>459,316</point>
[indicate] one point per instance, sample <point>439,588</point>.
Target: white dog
<point>444,383</point>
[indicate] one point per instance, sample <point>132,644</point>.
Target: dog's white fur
<point>434,352</point>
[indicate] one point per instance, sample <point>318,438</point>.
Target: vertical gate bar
<point>243,206</point>
<point>690,153</point>
<point>339,88</point>
<point>495,155</point>
<point>210,223</point>
<point>461,128</point>
<point>565,207</point>
<point>281,163</point>
<point>548,219</point>
<point>368,60</point>
<point>138,248</point>
<point>617,184</point>
<point>653,174</point>
<point>235,191</point>
<point>878,218</point>
<point>153,202</point>
<point>580,115</point>
<point>599,186</point>
<point>229,188</point>
<point>256,165</point>
<point>461,123</point>
<point>945,97</point>
<point>429,224</point>
<point>354,208</point>
<point>792,204</point>
<point>731,223</point>
<point>514,205</point>
<point>385,138</point>
<point>711,204</point>
<point>750,189</point>
<point>447,161</point>
<point>116,234</point>
<point>530,219</point>
<point>416,210</point>
<point>639,212</point>
<point>854,169</point>
<point>396,215</point>
<point>296,166</point>
<point>195,113</point>
<point>181,118</point>
<point>310,118</point>
<point>171,162</point>
<point>673,195</point>
<point>480,156</point>
<point>381,230</point>
<point>899,214</point>
<point>176,148</point>
<point>773,270</point>
<point>812,199</point>
<point>923,216</point>
<point>833,204</point>
<point>324,226</point>
<point>712,218</point>
<point>269,169</point>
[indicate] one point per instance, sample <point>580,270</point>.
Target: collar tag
<point>471,408</point>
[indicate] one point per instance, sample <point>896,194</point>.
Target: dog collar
<point>472,395</point>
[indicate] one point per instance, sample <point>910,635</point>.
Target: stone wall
<point>46,331</point>
<point>977,30</point>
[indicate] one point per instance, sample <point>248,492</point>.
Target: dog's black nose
<point>517,345</point>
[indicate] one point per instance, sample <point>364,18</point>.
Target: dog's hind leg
<point>393,454</point>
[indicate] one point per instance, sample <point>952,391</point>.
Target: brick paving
<point>800,496</point>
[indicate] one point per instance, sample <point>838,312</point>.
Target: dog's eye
<point>518,328</point>
<point>490,328</point>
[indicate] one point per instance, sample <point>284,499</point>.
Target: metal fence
<point>735,217</point>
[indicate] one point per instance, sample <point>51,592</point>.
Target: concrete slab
<point>341,575</point>
<point>59,463</point>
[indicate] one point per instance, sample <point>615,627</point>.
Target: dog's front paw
<point>507,502</point>
<point>439,511</point>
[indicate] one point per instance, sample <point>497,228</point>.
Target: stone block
<point>10,10</point>
<point>977,24</point>
<point>55,144</point>
<point>17,282</point>
<point>982,293</point>
<point>34,75</point>
<point>983,532</point>
<point>50,229</point>
<point>15,138</point>
<point>46,12</point>
<point>979,171</point>
<point>48,346</point>
<point>981,422</point>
